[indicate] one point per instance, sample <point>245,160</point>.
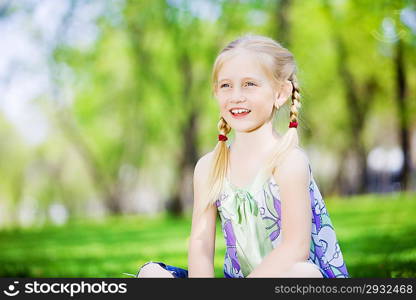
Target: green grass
<point>376,234</point>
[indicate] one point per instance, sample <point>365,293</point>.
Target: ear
<point>283,93</point>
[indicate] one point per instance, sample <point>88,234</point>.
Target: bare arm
<point>202,240</point>
<point>293,179</point>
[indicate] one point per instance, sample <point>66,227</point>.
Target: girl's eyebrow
<point>242,79</point>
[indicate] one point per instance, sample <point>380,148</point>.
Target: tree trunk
<point>402,109</point>
<point>182,192</point>
<point>357,104</point>
<point>283,22</point>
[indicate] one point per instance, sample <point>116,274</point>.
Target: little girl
<point>273,217</point>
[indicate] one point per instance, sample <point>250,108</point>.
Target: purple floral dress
<point>251,222</point>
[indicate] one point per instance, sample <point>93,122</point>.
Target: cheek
<point>264,104</point>
<point>222,104</point>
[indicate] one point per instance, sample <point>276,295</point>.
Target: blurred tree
<point>142,105</point>
<point>359,97</point>
<point>103,180</point>
<point>403,111</point>
<point>283,22</point>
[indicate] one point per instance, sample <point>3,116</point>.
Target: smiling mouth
<point>239,113</point>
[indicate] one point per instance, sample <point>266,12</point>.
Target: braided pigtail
<point>291,139</point>
<point>220,163</point>
<point>295,102</point>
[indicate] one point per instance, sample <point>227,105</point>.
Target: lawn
<point>376,234</point>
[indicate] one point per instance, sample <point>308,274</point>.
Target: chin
<point>243,127</point>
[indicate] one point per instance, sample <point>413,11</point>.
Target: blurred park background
<point>105,107</point>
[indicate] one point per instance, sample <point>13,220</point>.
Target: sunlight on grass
<point>376,234</point>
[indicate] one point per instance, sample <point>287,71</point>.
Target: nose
<point>237,96</point>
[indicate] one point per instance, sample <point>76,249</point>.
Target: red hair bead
<point>222,138</point>
<point>293,124</point>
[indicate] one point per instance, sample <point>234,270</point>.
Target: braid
<point>295,99</point>
<point>219,164</point>
<point>223,126</point>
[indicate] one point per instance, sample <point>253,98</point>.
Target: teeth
<point>239,111</point>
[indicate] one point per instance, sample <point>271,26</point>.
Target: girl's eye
<point>249,82</point>
<point>222,85</point>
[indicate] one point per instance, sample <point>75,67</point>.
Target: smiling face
<point>244,93</point>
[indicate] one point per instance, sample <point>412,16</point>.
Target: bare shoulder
<point>201,179</point>
<point>294,167</point>
<point>204,163</point>
<point>202,168</point>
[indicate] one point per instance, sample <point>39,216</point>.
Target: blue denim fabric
<point>175,271</point>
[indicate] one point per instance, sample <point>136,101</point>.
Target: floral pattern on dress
<point>231,265</point>
<point>325,251</point>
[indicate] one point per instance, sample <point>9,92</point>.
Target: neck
<point>257,141</point>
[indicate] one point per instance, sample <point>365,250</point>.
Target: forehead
<point>242,65</point>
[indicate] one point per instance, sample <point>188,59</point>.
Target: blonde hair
<point>279,65</point>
